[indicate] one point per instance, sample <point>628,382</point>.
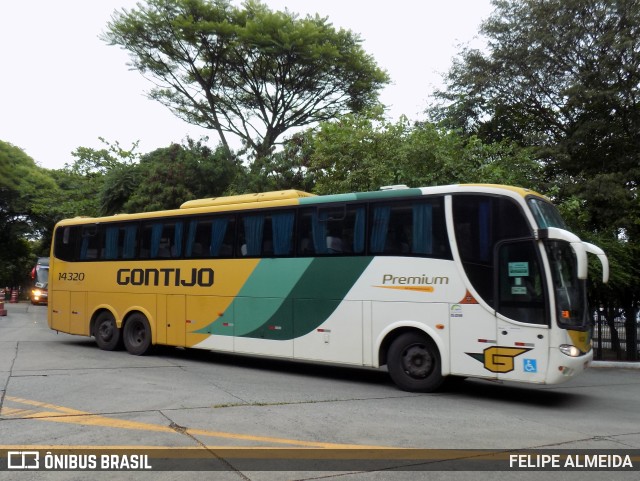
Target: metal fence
<point>614,343</point>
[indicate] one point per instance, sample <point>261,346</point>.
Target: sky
<point>61,87</point>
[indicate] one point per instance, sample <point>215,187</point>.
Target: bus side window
<point>282,223</point>
<point>251,234</point>
<point>162,240</point>
<point>521,291</point>
<point>266,234</point>
<point>209,237</point>
<point>305,234</point>
<point>90,244</point>
<point>151,238</point>
<point>222,236</point>
<point>478,229</point>
<point>120,241</point>
<point>409,228</point>
<point>66,245</point>
<point>332,230</point>
<point>198,238</point>
<point>390,229</point>
<point>129,241</point>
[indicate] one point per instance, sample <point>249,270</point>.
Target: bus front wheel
<point>413,362</point>
<point>106,332</point>
<point>137,334</point>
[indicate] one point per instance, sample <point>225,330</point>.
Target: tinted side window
<point>480,222</point>
<point>120,241</point>
<point>409,228</point>
<point>65,243</point>
<point>210,237</point>
<point>266,234</point>
<point>162,239</point>
<point>79,243</point>
<point>521,289</point>
<point>90,243</point>
<point>334,230</point>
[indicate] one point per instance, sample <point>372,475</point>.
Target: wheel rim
<point>106,330</point>
<point>137,334</point>
<point>417,361</point>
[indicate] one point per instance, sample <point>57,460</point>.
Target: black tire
<point>106,332</point>
<point>137,335</point>
<point>414,364</point>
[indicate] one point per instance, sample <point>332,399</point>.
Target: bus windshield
<point>546,214</point>
<point>570,292</point>
<point>42,276</point>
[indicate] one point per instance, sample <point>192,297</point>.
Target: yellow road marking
<point>63,414</point>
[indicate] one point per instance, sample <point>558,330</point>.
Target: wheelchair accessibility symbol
<point>530,365</point>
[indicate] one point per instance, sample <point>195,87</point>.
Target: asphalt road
<point>61,391</point>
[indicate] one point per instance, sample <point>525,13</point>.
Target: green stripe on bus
<point>266,291</point>
<point>362,196</point>
<point>314,298</point>
<point>327,199</point>
<point>262,294</point>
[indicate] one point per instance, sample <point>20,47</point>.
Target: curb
<point>616,364</point>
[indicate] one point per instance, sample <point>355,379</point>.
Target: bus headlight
<point>569,350</point>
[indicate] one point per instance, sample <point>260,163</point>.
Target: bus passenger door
<point>522,312</point>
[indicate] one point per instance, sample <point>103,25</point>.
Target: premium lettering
<point>390,279</point>
<point>166,277</point>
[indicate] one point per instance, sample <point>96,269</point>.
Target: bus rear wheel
<point>413,362</point>
<point>106,332</point>
<point>137,335</point>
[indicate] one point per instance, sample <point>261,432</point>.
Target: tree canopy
<point>360,152</point>
<point>25,211</point>
<point>167,177</point>
<point>246,71</point>
<point>562,77</point>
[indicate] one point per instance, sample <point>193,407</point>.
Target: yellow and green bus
<point>463,281</point>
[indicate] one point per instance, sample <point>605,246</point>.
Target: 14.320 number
<point>71,276</point>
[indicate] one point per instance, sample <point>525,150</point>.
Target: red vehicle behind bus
<point>40,275</point>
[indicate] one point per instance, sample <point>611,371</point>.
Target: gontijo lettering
<point>166,277</point>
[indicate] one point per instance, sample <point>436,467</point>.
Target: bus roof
<point>293,197</point>
<point>246,198</point>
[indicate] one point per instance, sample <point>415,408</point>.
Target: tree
<point>285,169</point>
<point>167,177</point>
<point>83,180</point>
<point>250,72</point>
<point>25,193</point>
<point>360,152</point>
<point>25,211</point>
<point>563,77</point>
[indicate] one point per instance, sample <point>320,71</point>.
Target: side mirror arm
<point>579,247</point>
